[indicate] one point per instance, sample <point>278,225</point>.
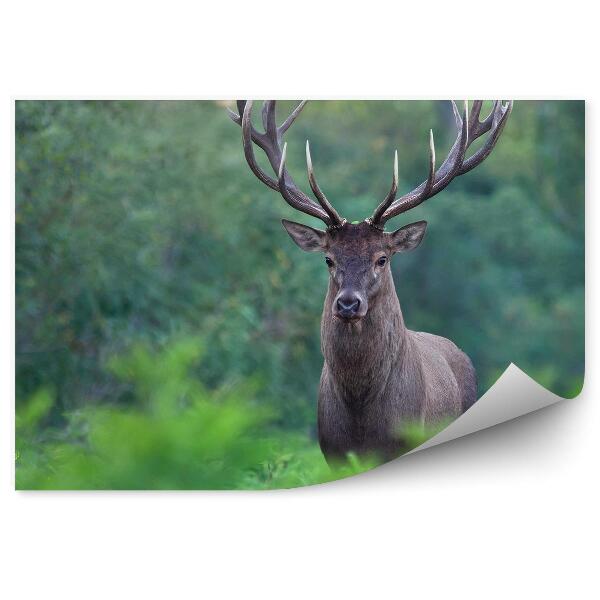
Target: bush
<point>175,435</point>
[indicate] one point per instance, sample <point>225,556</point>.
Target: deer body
<point>377,374</point>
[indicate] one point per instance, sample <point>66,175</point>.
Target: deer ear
<point>408,237</point>
<point>308,238</point>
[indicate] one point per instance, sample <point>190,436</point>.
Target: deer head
<point>358,255</point>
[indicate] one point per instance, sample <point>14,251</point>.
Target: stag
<point>377,374</point>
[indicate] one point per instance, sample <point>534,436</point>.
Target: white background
<point>508,513</point>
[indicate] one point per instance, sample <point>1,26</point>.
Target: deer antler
<point>469,129</point>
<point>270,143</point>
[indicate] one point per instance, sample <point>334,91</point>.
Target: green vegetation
<point>142,235</point>
<point>176,435</point>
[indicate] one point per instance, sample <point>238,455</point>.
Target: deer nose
<point>347,306</point>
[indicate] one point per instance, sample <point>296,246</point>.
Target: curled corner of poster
<point>513,395</point>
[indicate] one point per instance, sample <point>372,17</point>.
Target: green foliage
<point>178,436</point>
<point>414,434</point>
<point>138,222</point>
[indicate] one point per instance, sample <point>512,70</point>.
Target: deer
<point>378,376</point>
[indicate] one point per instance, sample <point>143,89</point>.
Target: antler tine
<point>431,178</point>
<point>233,116</point>
<point>270,143</point>
<point>457,117</point>
<point>268,118</point>
<point>290,120</point>
<point>420,194</point>
<point>500,116</point>
<point>335,218</point>
<point>474,116</point>
<point>374,220</point>
<point>476,127</point>
<point>469,129</point>
<point>283,188</point>
<point>249,148</point>
<point>450,162</point>
<point>312,210</point>
<point>237,118</point>
<point>455,159</point>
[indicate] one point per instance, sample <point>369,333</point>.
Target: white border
<point>508,513</point>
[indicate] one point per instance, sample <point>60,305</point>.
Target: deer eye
<point>381,261</point>
<point>328,261</point>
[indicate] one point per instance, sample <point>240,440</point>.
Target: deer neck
<point>361,355</point>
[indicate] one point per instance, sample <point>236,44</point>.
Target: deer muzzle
<point>349,306</point>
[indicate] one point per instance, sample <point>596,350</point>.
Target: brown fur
<point>377,374</point>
